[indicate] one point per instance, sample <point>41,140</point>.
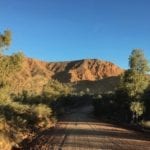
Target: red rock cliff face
<point>88,69</point>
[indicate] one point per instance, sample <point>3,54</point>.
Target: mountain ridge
<point>84,69</point>
<point>84,73</point>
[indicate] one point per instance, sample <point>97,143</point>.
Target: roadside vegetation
<point>130,103</point>
<point>24,114</point>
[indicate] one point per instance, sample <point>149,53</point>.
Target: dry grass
<point>5,142</point>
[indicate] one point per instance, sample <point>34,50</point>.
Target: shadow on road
<point>79,129</point>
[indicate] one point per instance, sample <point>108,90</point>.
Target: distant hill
<point>97,75</point>
<point>83,70</point>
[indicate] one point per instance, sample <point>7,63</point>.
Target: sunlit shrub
<point>55,89</point>
<point>5,142</point>
<point>137,108</point>
<point>42,111</point>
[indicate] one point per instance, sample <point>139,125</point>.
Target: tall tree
<point>135,81</point>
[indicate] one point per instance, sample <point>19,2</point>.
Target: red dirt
<point>79,130</point>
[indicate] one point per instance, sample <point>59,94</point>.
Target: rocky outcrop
<point>87,69</point>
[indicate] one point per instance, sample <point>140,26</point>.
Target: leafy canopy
<point>138,62</point>
<point>134,80</point>
<point>5,40</point>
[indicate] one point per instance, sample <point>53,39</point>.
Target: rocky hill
<point>80,73</point>
<point>81,70</point>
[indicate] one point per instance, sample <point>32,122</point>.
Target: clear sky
<point>57,30</point>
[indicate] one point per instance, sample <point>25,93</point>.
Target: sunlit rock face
<point>87,69</point>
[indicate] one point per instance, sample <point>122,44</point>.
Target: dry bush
<point>5,142</point>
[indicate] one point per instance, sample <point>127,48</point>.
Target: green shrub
<point>55,89</point>
<point>104,106</point>
<point>113,106</point>
<point>137,108</point>
<point>42,111</point>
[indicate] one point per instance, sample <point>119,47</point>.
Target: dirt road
<point>79,130</point>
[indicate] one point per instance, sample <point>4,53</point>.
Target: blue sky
<point>58,30</point>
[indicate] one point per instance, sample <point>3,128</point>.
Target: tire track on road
<point>79,130</point>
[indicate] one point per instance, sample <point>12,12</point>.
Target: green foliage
<point>113,106</point>
<point>134,83</point>
<point>137,108</point>
<point>9,66</point>
<point>18,120</point>
<point>18,115</point>
<point>4,94</point>
<point>55,89</point>
<point>16,61</point>
<point>138,62</point>
<point>42,111</point>
<point>134,80</point>
<point>104,106</point>
<point>128,102</point>
<point>5,40</point>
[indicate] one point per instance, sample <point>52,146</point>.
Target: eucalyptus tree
<point>135,81</point>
